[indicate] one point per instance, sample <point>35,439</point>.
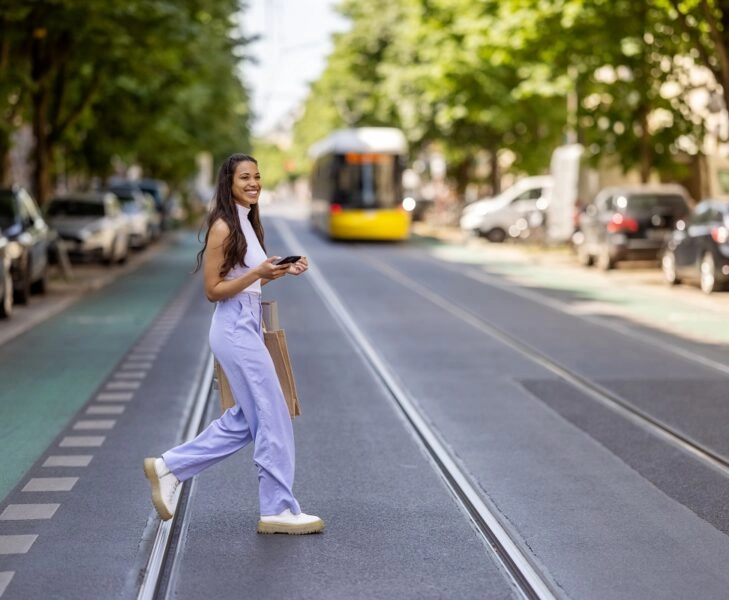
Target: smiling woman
<point>235,267</point>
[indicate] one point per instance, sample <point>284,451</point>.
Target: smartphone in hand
<point>288,260</point>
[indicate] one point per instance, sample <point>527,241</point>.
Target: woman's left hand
<point>299,266</point>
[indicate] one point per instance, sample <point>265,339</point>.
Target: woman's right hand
<point>269,270</point>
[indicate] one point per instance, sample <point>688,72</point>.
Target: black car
<point>698,248</point>
<point>629,223</point>
<point>29,236</point>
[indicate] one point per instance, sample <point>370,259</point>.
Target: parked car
<point>155,218</point>
<point>494,217</point>
<point>698,248</point>
<point>92,226</point>
<point>134,206</point>
<point>629,223</point>
<point>22,223</point>
<point>6,280</point>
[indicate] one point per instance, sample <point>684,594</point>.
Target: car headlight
<point>408,204</point>
<point>15,250</point>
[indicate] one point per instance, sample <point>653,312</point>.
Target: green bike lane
<point>635,295</point>
<point>48,373</point>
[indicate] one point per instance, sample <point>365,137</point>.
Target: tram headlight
<point>408,204</point>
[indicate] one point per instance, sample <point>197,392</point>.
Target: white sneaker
<point>287,522</point>
<point>164,483</point>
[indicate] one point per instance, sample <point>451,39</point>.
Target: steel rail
<point>593,390</point>
<point>533,296</point>
<point>160,559</point>
<point>519,566</point>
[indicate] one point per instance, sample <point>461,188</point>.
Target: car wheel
<point>668,266</point>
<point>604,261</point>
<point>497,235</point>
<point>40,286</point>
<point>22,293</point>
<point>707,274</point>
<point>584,257</point>
<point>6,303</point>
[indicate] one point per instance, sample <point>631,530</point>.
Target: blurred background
<point>484,91</point>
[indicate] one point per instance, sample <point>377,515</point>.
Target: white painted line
<point>16,544</point>
<point>75,460</point>
<point>95,424</point>
<point>77,441</point>
<point>22,512</point>
<point>123,385</point>
<point>130,374</point>
<point>5,577</point>
<point>50,484</point>
<point>105,410</point>
<point>115,396</point>
<point>142,356</point>
<point>145,364</point>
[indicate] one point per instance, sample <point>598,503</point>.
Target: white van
<point>493,217</point>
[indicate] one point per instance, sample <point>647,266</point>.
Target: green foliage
<point>521,75</point>
<point>151,82</point>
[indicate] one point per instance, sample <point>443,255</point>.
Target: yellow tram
<point>356,184</point>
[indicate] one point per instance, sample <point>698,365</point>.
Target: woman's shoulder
<point>219,228</point>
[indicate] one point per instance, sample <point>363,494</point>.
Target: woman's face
<point>246,184</point>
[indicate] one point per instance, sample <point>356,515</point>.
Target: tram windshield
<point>367,180</point>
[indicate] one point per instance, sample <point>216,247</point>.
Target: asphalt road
<point>483,340</point>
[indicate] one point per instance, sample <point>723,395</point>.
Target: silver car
<point>92,226</point>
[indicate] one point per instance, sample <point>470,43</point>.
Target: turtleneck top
<point>254,255</point>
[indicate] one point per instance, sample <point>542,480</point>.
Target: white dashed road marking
<point>5,577</point>
<point>105,410</point>
<point>16,544</point>
<point>114,396</point>
<point>79,441</point>
<point>21,512</point>
<point>75,460</point>
<point>123,385</point>
<point>50,484</point>
<point>95,424</point>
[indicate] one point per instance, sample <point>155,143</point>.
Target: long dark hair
<point>223,207</point>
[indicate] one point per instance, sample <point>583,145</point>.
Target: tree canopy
<point>145,82</point>
<point>515,78</point>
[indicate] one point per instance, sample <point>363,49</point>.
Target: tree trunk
<point>495,175</point>
<point>43,150</point>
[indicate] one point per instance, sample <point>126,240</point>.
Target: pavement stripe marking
<point>22,512</point>
<point>105,410</point>
<point>5,577</point>
<point>50,484</point>
<point>137,365</point>
<point>114,396</point>
<point>78,441</point>
<point>75,460</point>
<point>16,544</point>
<point>130,375</point>
<point>95,424</point>
<point>123,385</point>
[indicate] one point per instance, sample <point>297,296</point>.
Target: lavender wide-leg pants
<point>260,414</point>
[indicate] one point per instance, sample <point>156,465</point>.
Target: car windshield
<point>75,208</point>
<point>7,209</point>
<point>644,202</point>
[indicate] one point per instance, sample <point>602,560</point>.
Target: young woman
<point>235,267</point>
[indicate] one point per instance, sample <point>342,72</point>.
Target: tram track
<point>160,569</point>
<point>526,576</point>
<point>591,389</point>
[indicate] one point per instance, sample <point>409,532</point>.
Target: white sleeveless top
<point>254,255</point>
